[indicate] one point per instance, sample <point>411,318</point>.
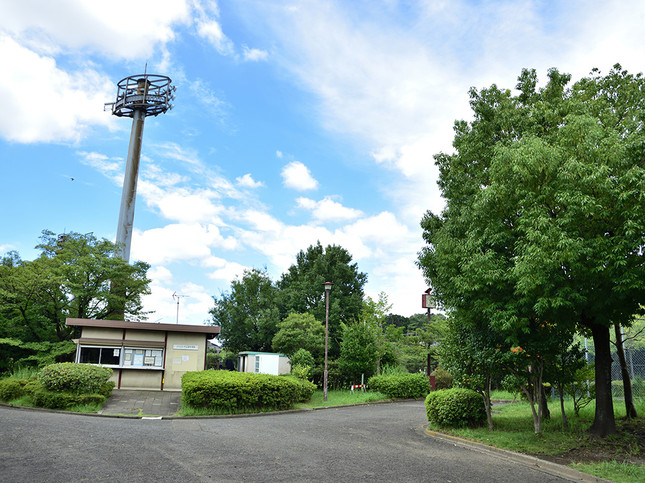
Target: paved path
<point>142,403</point>
<point>382,442</point>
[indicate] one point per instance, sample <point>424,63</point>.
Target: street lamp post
<point>327,290</point>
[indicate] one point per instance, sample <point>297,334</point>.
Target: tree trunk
<point>487,403</point>
<point>630,410</point>
<point>604,422</point>
<point>544,409</point>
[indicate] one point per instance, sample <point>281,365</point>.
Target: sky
<point>294,122</point>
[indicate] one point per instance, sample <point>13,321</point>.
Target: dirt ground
<point>628,446</point>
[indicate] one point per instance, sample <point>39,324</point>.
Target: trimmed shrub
<point>43,398</point>
<point>442,379</point>
<point>74,378</point>
<point>106,389</point>
<point>401,386</point>
<point>239,391</point>
<point>12,388</point>
<point>455,407</point>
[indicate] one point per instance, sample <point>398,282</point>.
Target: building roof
<point>211,330</point>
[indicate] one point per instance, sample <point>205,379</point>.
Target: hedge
<point>62,400</point>
<point>455,407</point>
<point>239,391</point>
<point>401,386</point>
<point>12,388</point>
<point>74,378</point>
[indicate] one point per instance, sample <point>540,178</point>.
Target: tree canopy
<point>301,288</point>
<point>71,277</point>
<point>545,214</point>
<point>248,315</point>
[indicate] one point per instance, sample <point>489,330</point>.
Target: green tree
<point>70,278</point>
<point>473,355</point>
<point>248,315</point>
<point>544,217</point>
<point>300,331</point>
<point>301,288</point>
<point>358,351</point>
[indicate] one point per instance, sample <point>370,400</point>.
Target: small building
<point>263,363</point>
<point>143,355</point>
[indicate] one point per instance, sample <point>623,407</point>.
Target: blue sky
<point>293,122</point>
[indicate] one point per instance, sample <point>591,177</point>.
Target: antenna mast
<point>138,97</point>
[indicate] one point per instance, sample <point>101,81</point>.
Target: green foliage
<point>401,386</point>
<point>72,277</point>
<point>358,351</point>
<point>63,400</point>
<point>302,364</point>
<point>455,407</point>
<point>74,378</point>
<point>300,331</point>
<point>248,314</point>
<point>237,391</point>
<point>302,291</point>
<point>301,372</point>
<point>302,357</point>
<point>442,379</point>
<point>544,214</point>
<point>12,388</point>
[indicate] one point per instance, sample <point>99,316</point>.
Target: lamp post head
<point>328,286</point>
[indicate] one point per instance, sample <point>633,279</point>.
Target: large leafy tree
<point>545,212</point>
<point>301,288</point>
<point>248,314</point>
<point>70,278</point>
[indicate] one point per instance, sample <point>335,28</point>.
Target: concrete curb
<point>549,467</point>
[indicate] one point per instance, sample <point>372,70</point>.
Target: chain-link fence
<point>634,349</point>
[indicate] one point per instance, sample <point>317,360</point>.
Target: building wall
<point>181,357</point>
<point>183,352</point>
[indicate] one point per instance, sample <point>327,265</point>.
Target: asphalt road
<point>383,442</point>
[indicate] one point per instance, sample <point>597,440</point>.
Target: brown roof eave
<point>211,331</point>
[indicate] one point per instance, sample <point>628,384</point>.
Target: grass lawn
<point>618,458</point>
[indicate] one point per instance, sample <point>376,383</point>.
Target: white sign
<point>181,347</point>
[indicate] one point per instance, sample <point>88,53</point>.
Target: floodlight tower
<point>138,97</point>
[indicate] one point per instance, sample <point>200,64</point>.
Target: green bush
<point>106,389</point>
<point>401,386</point>
<point>62,400</point>
<point>455,407</point>
<point>43,398</point>
<point>442,379</point>
<point>239,391</point>
<point>12,388</point>
<point>74,378</point>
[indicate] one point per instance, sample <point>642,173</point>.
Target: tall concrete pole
<point>137,97</point>
<point>129,194</point>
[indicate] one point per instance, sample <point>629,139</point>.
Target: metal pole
<point>129,194</point>
<point>327,288</point>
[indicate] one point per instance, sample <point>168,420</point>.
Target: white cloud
<point>297,176</point>
<point>175,242</point>
<point>328,210</point>
<point>42,103</point>
<point>121,29</point>
<point>247,181</point>
<point>254,55</point>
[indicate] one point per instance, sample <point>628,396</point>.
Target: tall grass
<point>24,372</point>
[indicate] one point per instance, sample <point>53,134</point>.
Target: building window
<point>257,364</point>
<point>120,357</point>
<point>152,358</point>
<point>108,356</point>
